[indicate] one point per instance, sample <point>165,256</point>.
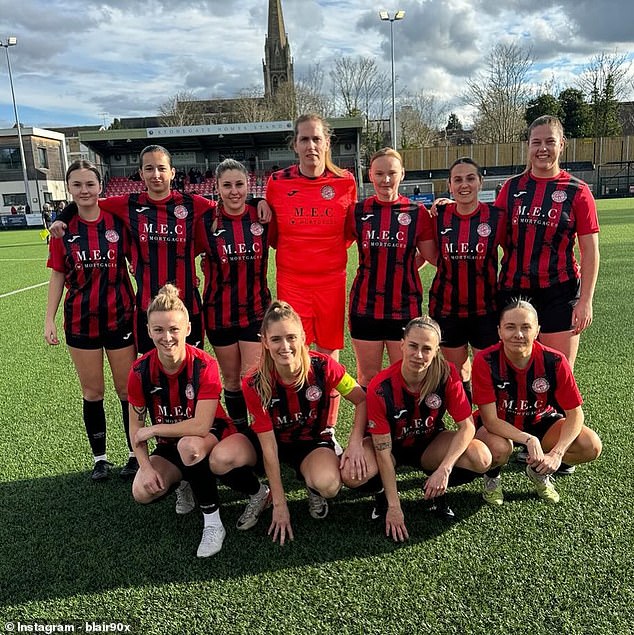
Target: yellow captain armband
<point>346,385</point>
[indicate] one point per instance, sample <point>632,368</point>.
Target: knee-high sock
<point>373,486</point>
<point>236,407</point>
<point>467,388</point>
<point>95,422</point>
<point>242,479</point>
<point>204,485</point>
<point>460,476</point>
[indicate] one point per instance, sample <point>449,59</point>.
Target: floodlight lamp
<point>12,41</point>
<point>399,15</point>
<point>384,15</point>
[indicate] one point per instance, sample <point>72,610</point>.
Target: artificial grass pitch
<point>73,551</point>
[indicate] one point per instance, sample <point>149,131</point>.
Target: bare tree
<point>420,120</point>
<point>310,95</point>
<point>252,106</point>
<point>604,82</point>
<point>359,87</point>
<point>181,109</point>
<point>500,94</point>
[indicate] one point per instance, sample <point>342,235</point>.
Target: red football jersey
<point>296,414</point>
<point>543,218</point>
<point>524,396</point>
<point>393,409</point>
<point>310,216</point>
<point>171,398</point>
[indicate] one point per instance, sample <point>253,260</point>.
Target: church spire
<point>277,63</point>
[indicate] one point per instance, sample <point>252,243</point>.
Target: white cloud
<point>79,59</point>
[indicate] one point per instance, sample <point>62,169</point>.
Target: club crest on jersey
<point>313,393</point>
<point>180,211</point>
<point>189,391</point>
<point>327,192</point>
<point>433,401</point>
<point>404,218</point>
<point>540,385</point>
<point>371,424</point>
<point>484,230</point>
<point>112,236</point>
<point>256,229</point>
<point>559,196</point>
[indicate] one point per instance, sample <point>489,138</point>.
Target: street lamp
<point>12,41</point>
<point>399,15</point>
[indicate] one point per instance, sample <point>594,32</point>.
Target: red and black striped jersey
<point>393,409</point>
<point>172,398</point>
<point>236,252</point>
<point>525,396</point>
<point>543,218</point>
<point>296,414</point>
<point>310,214</point>
<point>162,242</point>
<point>465,283</point>
<point>92,257</point>
<point>387,284</point>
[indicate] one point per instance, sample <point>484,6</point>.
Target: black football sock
<point>467,388</point>
<point>203,484</point>
<point>460,476</point>
<point>494,472</point>
<point>373,486</point>
<point>236,407</point>
<point>242,479</point>
<point>95,422</point>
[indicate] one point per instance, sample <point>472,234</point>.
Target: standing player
<point>310,202</point>
<point>406,405</point>
<point>526,393</point>
<point>547,208</point>
<point>236,249</point>
<point>386,293</point>
<point>288,395</point>
<point>98,307</point>
<point>179,386</point>
<point>161,223</point>
<point>463,294</point>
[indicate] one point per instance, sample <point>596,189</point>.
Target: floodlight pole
<point>385,16</point>
<point>12,41</point>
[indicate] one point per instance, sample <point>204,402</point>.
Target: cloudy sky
<point>85,62</point>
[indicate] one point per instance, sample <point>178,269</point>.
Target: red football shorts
<point>322,308</point>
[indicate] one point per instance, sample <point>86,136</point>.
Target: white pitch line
<point>34,286</point>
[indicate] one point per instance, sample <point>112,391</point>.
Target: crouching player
<point>288,395</point>
<point>179,386</point>
<point>526,393</point>
<point>406,404</point>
